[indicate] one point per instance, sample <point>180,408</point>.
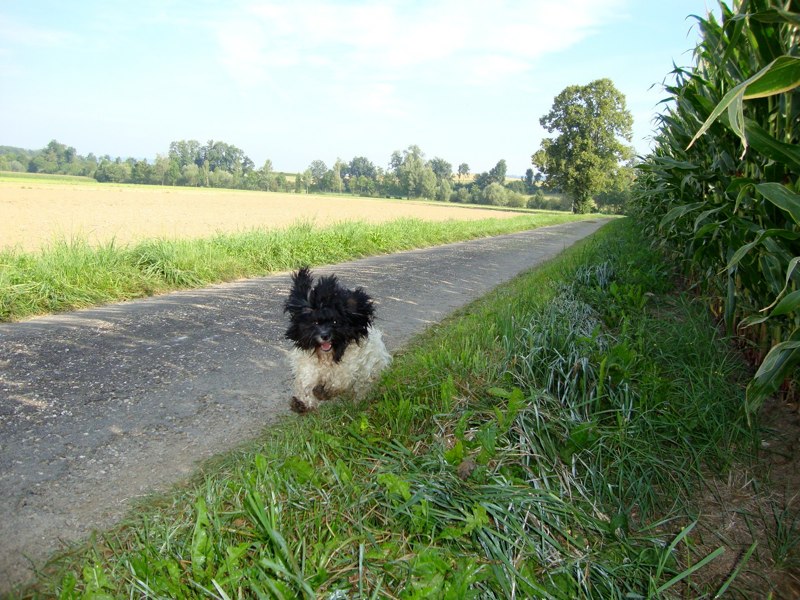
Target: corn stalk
<point>721,185</point>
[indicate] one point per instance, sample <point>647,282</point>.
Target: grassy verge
<point>544,442</point>
<point>74,274</point>
<point>46,178</point>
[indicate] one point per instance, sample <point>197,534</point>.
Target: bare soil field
<point>34,214</point>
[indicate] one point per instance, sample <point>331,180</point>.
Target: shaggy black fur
<point>326,316</point>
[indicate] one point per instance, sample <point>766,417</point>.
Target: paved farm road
<point>102,406</point>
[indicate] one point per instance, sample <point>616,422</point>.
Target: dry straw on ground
<point>35,214</point>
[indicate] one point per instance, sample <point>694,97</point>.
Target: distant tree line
<point>187,163</point>
<point>220,165</point>
<point>55,158</point>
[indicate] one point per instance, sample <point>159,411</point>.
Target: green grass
<point>74,274</point>
<point>543,442</point>
<point>46,178</point>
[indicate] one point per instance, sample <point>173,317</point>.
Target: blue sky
<point>294,81</point>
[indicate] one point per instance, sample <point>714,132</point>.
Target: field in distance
<point>34,212</point>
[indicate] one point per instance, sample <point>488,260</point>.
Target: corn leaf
<point>777,15</point>
<point>779,363</point>
<point>790,303</point>
<point>793,263</point>
<point>675,164</point>
<point>782,197</point>
<point>678,212</point>
<point>781,75</point>
<point>762,235</point>
<point>763,142</point>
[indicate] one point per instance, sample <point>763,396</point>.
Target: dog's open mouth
<point>325,346</point>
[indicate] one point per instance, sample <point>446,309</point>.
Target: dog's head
<point>324,316</point>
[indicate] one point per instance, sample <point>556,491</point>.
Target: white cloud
<point>17,32</point>
<point>376,45</point>
<point>372,98</point>
<point>400,35</point>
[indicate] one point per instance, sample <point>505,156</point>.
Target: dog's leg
<point>306,380</point>
<point>304,399</point>
<point>321,392</point>
<point>298,406</point>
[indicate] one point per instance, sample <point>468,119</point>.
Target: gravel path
<point>103,406</point>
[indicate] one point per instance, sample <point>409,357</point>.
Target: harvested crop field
<point>34,214</point>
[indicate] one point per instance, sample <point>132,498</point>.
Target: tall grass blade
<point>735,573</point>
<point>687,572</point>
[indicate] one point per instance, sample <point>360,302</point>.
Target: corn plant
<point>721,185</point>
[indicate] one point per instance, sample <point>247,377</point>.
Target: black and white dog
<point>336,348</point>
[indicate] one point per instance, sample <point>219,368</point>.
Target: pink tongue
<point>325,346</point>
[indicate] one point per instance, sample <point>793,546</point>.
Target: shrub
<point>495,194</point>
<point>516,199</point>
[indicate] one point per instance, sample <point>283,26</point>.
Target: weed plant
<point>72,274</point>
<point>541,443</point>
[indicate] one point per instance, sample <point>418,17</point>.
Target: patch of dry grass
<point>34,214</point>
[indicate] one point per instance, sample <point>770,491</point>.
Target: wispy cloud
<point>18,38</point>
<point>377,45</point>
<point>20,33</point>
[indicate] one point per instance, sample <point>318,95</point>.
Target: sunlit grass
<point>33,178</point>
<point>70,274</point>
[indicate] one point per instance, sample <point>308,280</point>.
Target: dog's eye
<point>334,322</point>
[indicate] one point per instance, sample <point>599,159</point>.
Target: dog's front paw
<point>298,406</point>
<point>320,393</point>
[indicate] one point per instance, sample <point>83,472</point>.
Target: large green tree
<point>318,169</point>
<point>441,168</point>
<point>498,173</point>
<point>361,166</point>
<point>186,152</point>
<point>585,158</point>
<point>409,168</point>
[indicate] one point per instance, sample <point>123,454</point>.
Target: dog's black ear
<point>300,294</point>
<point>361,308</point>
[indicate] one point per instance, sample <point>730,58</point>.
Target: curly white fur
<point>317,376</point>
